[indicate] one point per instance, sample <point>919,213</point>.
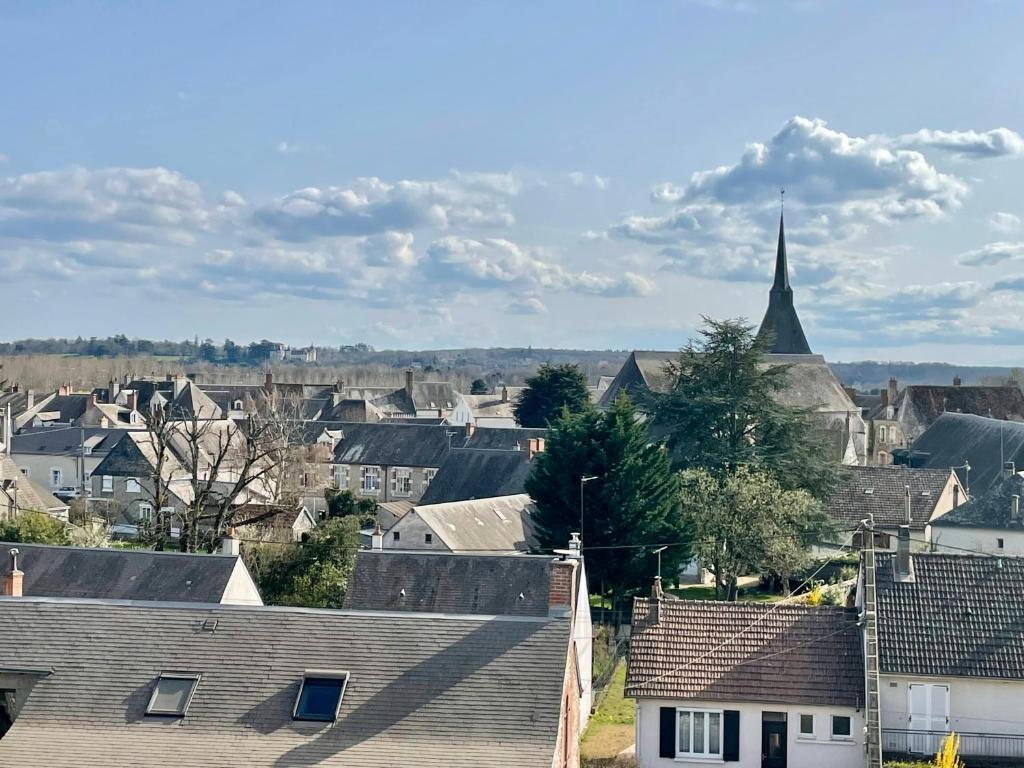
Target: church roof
<point>781,319</point>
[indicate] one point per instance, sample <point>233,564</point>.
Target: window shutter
<point>668,732</point>
<point>731,736</point>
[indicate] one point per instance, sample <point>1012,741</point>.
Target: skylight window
<point>172,694</point>
<point>320,696</point>
<point>868,491</point>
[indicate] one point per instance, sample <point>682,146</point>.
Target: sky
<point>555,174</point>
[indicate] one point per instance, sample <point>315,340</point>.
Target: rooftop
<point>881,491</point>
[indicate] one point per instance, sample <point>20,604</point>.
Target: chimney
<point>884,397</point>
<point>94,400</point>
<point>408,382</point>
<point>14,579</point>
<point>1009,469</point>
<point>1015,509</point>
<point>377,539</point>
<point>654,612</point>
<point>560,586</point>
<point>504,393</point>
<point>851,392</point>
<point>112,390</point>
<point>956,381</point>
<point>230,545</point>
<point>892,390</point>
<point>268,381</point>
<point>470,429</point>
<point>904,570</point>
<point>907,519</point>
<point>339,386</point>
<point>534,446</point>
<point>179,384</point>
<point>64,389</point>
<point>574,544</point>
<point>31,398</point>
<point>131,399</point>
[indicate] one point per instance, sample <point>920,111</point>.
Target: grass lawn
<point>700,592</point>
<point>611,729</point>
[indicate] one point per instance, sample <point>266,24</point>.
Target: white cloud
<point>993,253</point>
<point>581,179</point>
<point>999,142</point>
<point>1002,221</point>
<point>286,148</point>
<point>530,305</point>
<point>392,249</point>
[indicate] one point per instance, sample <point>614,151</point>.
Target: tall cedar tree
<point>722,412</point>
<point>552,389</point>
<point>634,499</point>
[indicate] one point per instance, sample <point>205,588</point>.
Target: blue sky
<point>554,174</point>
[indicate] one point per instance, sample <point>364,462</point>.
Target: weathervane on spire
<point>782,197</point>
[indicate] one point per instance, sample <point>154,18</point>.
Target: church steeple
<point>781,319</point>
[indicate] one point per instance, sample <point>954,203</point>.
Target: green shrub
<point>35,528</point>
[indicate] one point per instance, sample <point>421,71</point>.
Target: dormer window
<point>320,696</point>
<point>237,405</point>
<point>172,694</point>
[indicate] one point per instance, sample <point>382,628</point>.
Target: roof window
<point>320,696</point>
<point>172,694</point>
<point>868,491</point>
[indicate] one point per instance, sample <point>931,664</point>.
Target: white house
<point>990,523</point>
<point>762,686</point>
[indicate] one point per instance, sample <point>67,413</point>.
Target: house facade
<point>54,456</point>
<point>992,523</point>
<point>503,524</point>
<point>761,686</point>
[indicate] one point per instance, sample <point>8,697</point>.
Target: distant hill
<point>870,374</point>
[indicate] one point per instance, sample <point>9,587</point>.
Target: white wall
<point>583,635</point>
<point>240,589</point>
<point>979,706</point>
<point>820,752</point>
<point>956,539</point>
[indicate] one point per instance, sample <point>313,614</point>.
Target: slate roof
<point>781,653</point>
<point>432,395</point>
<point>985,443</point>
<point>68,407</point>
<point>993,509</point>
<point>780,319</point>
<point>490,406</point>
<point>478,474</point>
<point>927,403</point>
<point>402,445</point>
<point>64,441</point>
<point>960,617</point>
<point>501,438</point>
<point>122,574</point>
<point>128,458</point>
<point>881,491</point>
<point>502,524</point>
<point>438,582</point>
<point>424,689</point>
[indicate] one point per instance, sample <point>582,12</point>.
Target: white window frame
<point>832,728</point>
<point>108,484</point>
<point>339,475</point>
<point>315,674</point>
<point>132,485</point>
<point>366,472</point>
<point>706,754</point>
<point>401,481</point>
<point>882,432</point>
<point>800,732</point>
<point>58,473</point>
<point>428,477</point>
<point>145,511</point>
<point>194,677</point>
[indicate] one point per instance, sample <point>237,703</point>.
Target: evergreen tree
<point>478,387</point>
<point>633,499</point>
<point>722,412</point>
<point>552,389</point>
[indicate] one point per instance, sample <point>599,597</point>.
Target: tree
<point>347,504</point>
<point>313,574</point>
<point>34,528</point>
<point>633,499</point>
<point>552,389</point>
<point>478,387</point>
<point>722,411</point>
<point>208,351</point>
<point>746,522</point>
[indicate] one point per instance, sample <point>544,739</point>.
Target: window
<point>841,728</point>
<point>428,538</point>
<point>999,543</point>
<point>698,733</point>
<point>320,696</point>
<point>396,535</point>
<point>428,477</point>
<point>131,485</point>
<point>26,471</point>
<point>145,511</point>
<point>172,694</point>
<point>237,405</point>
<point>881,434</point>
<point>883,458</point>
<point>401,481</point>
<point>340,472</point>
<point>55,477</point>
<point>371,479</point>
<point>108,484</point>
<point>807,726</point>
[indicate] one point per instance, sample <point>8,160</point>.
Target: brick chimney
<point>230,545</point>
<point>64,389</point>
<point>561,585</point>
<point>377,539</point>
<point>504,393</point>
<point>268,381</point>
<point>14,579</point>
<point>534,446</point>
<point>892,390</point>
<point>131,399</point>
<point>884,395</point>
<point>408,382</point>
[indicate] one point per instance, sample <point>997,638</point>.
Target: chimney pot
<point>892,390</point>
<point>14,579</point>
<point>408,382</point>
<point>904,563</point>
<point>230,545</point>
<point>377,539</point>
<point>908,518</point>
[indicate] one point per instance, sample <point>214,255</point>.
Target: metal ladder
<point>872,713</point>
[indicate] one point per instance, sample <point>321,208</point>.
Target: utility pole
<point>584,479</point>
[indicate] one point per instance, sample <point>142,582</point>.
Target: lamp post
<point>583,481</point>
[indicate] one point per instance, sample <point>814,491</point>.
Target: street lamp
<point>583,481</point>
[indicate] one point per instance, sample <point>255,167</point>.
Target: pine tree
<point>552,389</point>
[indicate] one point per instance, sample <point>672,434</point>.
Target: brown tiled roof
<point>793,654</point>
<point>960,617</point>
<point>881,491</point>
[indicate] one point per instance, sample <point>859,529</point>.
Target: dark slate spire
<point>780,319</point>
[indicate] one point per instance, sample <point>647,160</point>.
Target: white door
<point>929,716</point>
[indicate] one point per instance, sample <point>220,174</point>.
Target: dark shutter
<point>731,736</point>
<point>667,738</point>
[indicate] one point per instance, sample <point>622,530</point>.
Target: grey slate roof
<point>501,438</point>
<point>402,445</point>
<point>437,582</point>
<point>64,440</point>
<point>501,524</point>
<point>986,443</point>
<point>881,491</point>
<point>70,407</point>
<point>960,617</point>
<point>125,459</point>
<point>121,574</point>
<point>780,319</point>
<point>993,509</point>
<point>425,690</point>
<point>792,654</point>
<point>475,474</point>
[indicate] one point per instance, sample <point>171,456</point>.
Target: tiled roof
<point>961,616</point>
<point>478,474</point>
<point>993,509</point>
<point>401,445</point>
<point>122,574</point>
<point>438,582</point>
<point>928,402</point>
<point>881,491</point>
<point>425,689</point>
<point>714,651</point>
